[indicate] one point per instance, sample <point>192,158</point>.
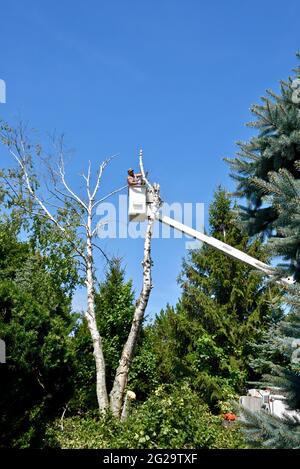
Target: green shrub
<point>170,418</point>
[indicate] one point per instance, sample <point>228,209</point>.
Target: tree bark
<point>101,389</point>
<point>118,391</point>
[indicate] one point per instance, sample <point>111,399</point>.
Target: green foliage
<point>35,323</point>
<point>84,396</point>
<point>283,191</point>
<point>278,358</point>
<point>275,148</point>
<point>172,417</point>
<point>57,253</point>
<point>263,430</point>
<point>224,306</point>
<point>114,312</point>
<point>144,376</point>
<point>271,350</point>
<point>273,179</point>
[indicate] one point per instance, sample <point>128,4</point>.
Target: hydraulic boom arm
<point>225,248</point>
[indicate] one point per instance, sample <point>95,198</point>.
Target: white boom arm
<point>225,248</point>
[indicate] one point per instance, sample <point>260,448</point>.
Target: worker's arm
<point>131,181</point>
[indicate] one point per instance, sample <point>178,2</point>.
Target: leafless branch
<point>99,175</point>
<point>72,206</point>
<point>61,169</point>
<point>102,252</point>
<point>33,193</point>
<point>142,169</point>
<point>88,180</point>
<point>108,195</point>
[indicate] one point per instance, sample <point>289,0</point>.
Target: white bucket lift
<point>137,203</point>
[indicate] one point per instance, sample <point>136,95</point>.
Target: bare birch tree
<point>74,218</point>
<point>68,205</point>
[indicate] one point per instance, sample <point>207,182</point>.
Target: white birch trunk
<point>117,394</point>
<point>101,389</point>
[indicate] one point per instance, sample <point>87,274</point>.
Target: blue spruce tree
<point>267,171</point>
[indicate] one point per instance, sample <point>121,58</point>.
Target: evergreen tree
<point>267,173</point>
<point>280,357</point>
<point>277,146</point>
<point>35,323</point>
<point>224,305</point>
<point>114,311</point>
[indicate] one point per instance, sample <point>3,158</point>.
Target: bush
<point>170,418</point>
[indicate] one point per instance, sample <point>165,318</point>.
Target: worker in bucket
<point>134,179</point>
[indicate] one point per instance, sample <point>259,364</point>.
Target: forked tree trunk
<point>118,391</point>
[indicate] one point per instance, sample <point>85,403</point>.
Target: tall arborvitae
<point>277,145</point>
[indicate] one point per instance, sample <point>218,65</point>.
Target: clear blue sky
<point>176,77</point>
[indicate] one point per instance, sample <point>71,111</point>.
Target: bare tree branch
<point>63,180</point>
<point>99,175</point>
<point>33,193</point>
<point>109,195</point>
<point>142,169</point>
<point>102,252</point>
<point>87,180</point>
